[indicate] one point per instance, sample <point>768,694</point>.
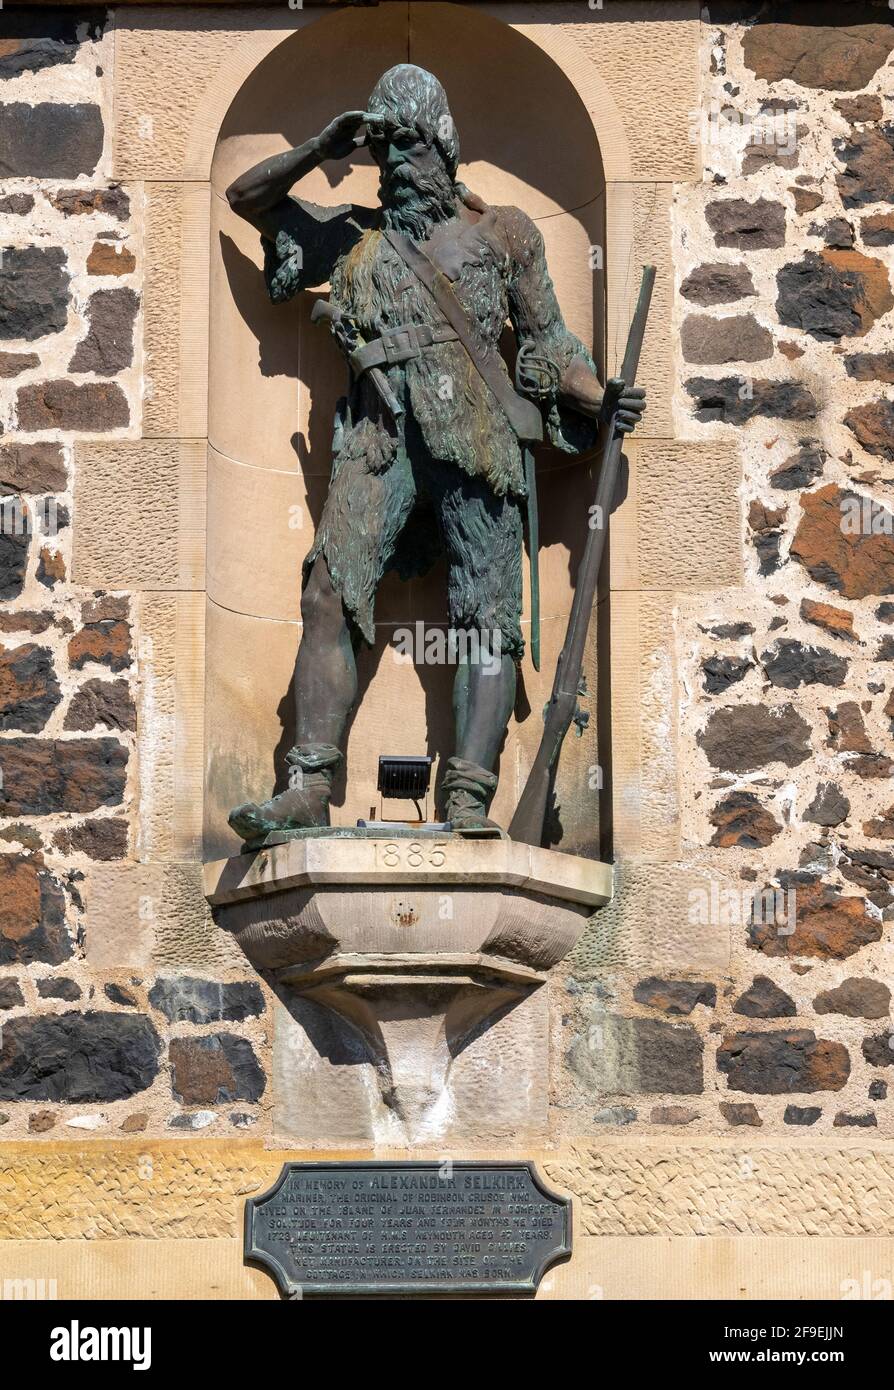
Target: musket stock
<point>530,815</point>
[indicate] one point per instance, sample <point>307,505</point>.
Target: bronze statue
<point>431,449</point>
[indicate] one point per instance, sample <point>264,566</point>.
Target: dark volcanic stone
<point>777,1063</point>
<point>672,1115</point>
<point>763,518</point>
<point>99,839</point>
<point>730,631</point>
<point>29,691</point>
<point>730,400</point>
<point>766,525</point>
<point>878,1090</point>
<point>41,776</point>
<point>31,39</point>
<point>119,994</point>
<point>17,204</point>
<point>828,926</point>
<point>878,229</point>
<point>107,258</point>
<point>873,425</point>
<point>52,140</point>
<point>11,996</point>
<point>185,999</point>
<point>799,470</point>
<point>880,827</point>
<point>32,468</point>
<point>779,148</point>
<point>862,108</point>
<point>855,998</point>
<point>837,47</point>
<point>801,1114</point>
<point>849,561</point>
<point>743,1113</point>
<point>14,363</point>
<point>829,806</point>
<point>837,233</point>
<point>108,346</point>
<point>764,999</point>
<point>736,338</point>
<point>723,671</point>
<point>742,822</point>
<point>747,226</point>
<point>104,606</point>
<point>868,159</point>
<point>675,996</point>
<point>59,987</point>
<point>14,543</point>
<point>93,406</point>
<point>743,738</point>
<point>106,642</point>
<point>50,567</point>
<point>806,200</point>
<point>101,702</point>
<point>833,294</point>
<point>75,202</point>
<point>214,1070</point>
<point>34,292</point>
<point>870,366</point>
<point>717,284</point>
<point>844,1121</point>
<point>77,1057</point>
<point>767,544</point>
<point>879,1050</point>
<point>32,914</point>
<point>790,664</point>
<point>837,621</point>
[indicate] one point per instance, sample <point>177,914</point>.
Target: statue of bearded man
<point>430,446</point>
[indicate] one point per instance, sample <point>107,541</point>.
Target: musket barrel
<point>530,814</point>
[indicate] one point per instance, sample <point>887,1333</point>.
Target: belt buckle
<point>400,344</point>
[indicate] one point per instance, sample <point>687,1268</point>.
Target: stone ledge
<point>732,1187</point>
<point>156,1189</point>
<point>353,859</point>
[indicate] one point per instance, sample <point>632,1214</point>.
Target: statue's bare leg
<point>483,699</point>
<point>326,668</point>
<point>325,692</point>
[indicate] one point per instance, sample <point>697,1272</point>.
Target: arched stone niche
<point>526,138</point>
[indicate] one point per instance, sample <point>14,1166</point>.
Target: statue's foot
<point>302,806</point>
<point>469,818</point>
<point>468,791</point>
<point>294,809</point>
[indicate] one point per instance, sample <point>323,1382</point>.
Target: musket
<point>348,337</point>
<point>530,814</point>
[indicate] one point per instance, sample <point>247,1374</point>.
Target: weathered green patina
<point>429,446</point>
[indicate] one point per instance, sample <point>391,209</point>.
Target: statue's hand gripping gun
<point>347,335</point>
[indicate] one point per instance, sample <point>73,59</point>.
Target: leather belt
<point>399,344</point>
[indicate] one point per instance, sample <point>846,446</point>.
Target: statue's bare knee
<point>321,605</point>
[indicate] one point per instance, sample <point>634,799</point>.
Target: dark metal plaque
<point>407,1228</point>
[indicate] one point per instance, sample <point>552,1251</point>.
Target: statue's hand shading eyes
<point>338,139</point>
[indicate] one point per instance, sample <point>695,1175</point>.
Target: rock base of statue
<point>417,945</point>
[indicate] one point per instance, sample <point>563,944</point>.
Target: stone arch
<point>239,60</point>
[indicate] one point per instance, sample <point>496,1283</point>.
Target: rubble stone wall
<point>741,979</point>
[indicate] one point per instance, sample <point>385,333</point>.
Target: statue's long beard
<point>414,203</point>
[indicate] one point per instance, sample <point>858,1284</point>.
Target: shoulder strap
<point>522,414</point>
